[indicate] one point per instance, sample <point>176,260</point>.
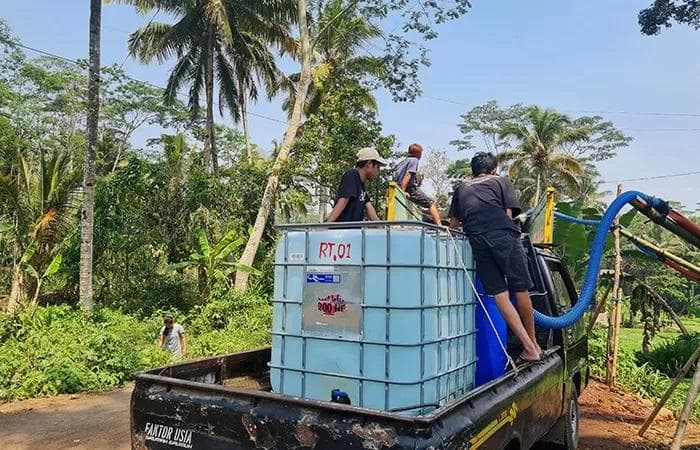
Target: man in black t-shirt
<point>485,206</point>
<point>352,199</point>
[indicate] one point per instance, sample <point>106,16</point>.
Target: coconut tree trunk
<point>210,159</point>
<point>87,216</point>
<point>246,129</point>
<point>323,203</point>
<point>18,290</point>
<point>268,199</point>
<point>538,189</point>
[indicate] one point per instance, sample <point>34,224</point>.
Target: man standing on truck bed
<point>485,206</point>
<point>352,199</point>
<point>407,177</point>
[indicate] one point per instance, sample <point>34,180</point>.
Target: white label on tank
<point>332,302</point>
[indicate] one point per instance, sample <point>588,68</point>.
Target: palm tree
<point>271,188</point>
<point>223,39</point>
<point>538,161</point>
<point>38,211</point>
<point>88,213</point>
<point>339,34</point>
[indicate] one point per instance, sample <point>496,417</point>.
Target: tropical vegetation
<point>121,201</point>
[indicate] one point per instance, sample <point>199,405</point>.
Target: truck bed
<point>225,402</point>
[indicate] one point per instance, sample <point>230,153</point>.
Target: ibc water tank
<point>383,312</point>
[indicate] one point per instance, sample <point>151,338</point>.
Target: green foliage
<point>215,264</point>
<point>232,321</point>
<point>52,350</point>
<point>58,349</point>
<point>541,147</point>
<point>680,293</point>
<point>483,129</point>
<point>573,241</point>
<point>222,42</point>
<point>641,379</point>
<point>662,13</point>
<point>39,200</point>
<point>339,33</point>
<point>539,159</point>
<point>671,355</point>
<point>148,214</point>
<point>331,139</point>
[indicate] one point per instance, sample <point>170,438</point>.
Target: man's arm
<point>338,209</point>
<point>411,169</point>
<point>405,181</point>
<point>371,212</point>
<point>160,342</point>
<point>509,198</point>
<point>454,213</point>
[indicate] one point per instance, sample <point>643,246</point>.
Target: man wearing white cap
<point>352,200</point>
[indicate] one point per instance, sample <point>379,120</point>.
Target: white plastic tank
<point>381,311</point>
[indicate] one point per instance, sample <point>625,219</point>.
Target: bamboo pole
<point>680,261</point>
<point>599,308</point>
<point>615,319</point>
<point>687,409</point>
<point>669,391</point>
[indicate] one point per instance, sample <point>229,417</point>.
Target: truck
<point>226,402</point>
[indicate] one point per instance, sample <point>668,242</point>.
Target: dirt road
<point>609,420</point>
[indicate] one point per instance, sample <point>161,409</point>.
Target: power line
<point>583,111</point>
<point>661,129</point>
<point>657,177</point>
<point>429,97</point>
<point>148,83</point>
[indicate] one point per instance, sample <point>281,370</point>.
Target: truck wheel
<point>571,425</point>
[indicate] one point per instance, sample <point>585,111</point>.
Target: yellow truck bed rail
<point>399,207</point>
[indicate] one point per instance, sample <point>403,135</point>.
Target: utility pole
<point>616,311</point>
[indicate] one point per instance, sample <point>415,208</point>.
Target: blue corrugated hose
<point>597,249</point>
<point>595,223</point>
<point>587,222</point>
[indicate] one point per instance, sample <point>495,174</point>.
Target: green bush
<point>231,321</point>
<point>155,292</point>
<point>58,349</point>
<point>640,379</point>
<point>669,357</point>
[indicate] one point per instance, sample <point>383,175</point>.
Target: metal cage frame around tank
<point>453,375</point>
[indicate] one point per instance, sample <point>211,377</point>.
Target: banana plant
<point>573,241</point>
<point>216,263</point>
<point>51,269</point>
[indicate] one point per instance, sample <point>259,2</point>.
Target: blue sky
<point>577,57</point>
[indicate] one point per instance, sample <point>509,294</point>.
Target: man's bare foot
<point>523,359</point>
<point>533,354</point>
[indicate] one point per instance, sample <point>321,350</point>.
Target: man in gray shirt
<point>408,179</point>
<point>172,337</point>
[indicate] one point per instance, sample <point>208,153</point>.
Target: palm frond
<point>228,86</point>
<point>182,70</point>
